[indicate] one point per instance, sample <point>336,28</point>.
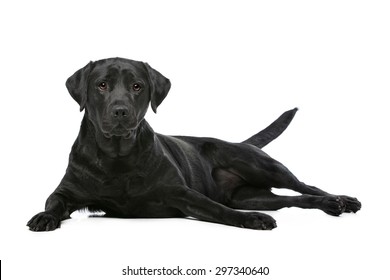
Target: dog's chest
<point>129,195</point>
<point>101,177</point>
<point>127,187</point>
<point>119,181</point>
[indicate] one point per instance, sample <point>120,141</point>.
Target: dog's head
<point>116,93</point>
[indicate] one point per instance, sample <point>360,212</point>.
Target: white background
<point>234,66</point>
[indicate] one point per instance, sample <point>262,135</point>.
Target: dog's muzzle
<point>121,122</point>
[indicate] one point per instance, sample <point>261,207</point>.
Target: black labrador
<point>119,165</point>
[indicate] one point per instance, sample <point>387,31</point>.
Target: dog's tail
<point>272,131</point>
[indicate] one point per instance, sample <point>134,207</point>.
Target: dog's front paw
<point>43,222</point>
<point>333,205</point>
<point>256,220</point>
<point>352,204</point>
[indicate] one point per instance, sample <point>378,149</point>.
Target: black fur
<point>119,165</point>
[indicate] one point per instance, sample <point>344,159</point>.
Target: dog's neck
<point>140,141</point>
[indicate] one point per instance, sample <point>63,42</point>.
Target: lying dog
<point>119,165</point>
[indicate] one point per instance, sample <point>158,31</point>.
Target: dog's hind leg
<point>252,198</point>
<point>351,203</point>
<point>263,172</point>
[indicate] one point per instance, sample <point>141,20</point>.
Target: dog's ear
<point>77,85</point>
<point>159,87</point>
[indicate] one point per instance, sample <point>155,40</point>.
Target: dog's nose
<point>120,112</point>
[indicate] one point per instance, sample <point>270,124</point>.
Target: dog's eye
<point>136,87</point>
<point>103,86</point>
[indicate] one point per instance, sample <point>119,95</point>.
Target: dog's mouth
<point>119,131</point>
